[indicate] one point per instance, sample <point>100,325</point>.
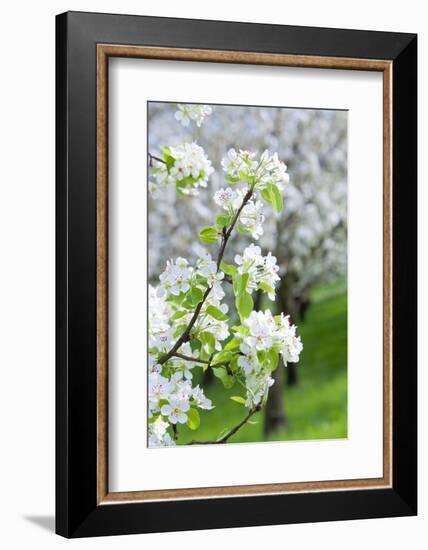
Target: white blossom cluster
<point>188,112</point>
<point>170,389</point>
<point>243,166</point>
<point>185,166</point>
<point>171,394</point>
<point>265,333</point>
<point>262,270</point>
<point>251,217</point>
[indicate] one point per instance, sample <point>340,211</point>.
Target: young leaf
<point>207,339</point>
<point>178,315</point>
<point>221,374</point>
<point>266,195</point>
<point>193,419</point>
<point>238,399</point>
<point>216,313</point>
<point>221,357</point>
<point>196,296</point>
<point>228,269</point>
<point>223,220</point>
<point>233,365</point>
<point>232,344</point>
<point>244,281</point>
<point>241,329</point>
<point>244,305</point>
<point>166,154</point>
<point>276,198</point>
<point>231,179</point>
<point>273,359</point>
<point>237,284</point>
<point>266,288</point>
<point>208,235</point>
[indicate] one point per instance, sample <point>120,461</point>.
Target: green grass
<point>317,407</point>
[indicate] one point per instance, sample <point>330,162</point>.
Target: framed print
<point>236,274</point>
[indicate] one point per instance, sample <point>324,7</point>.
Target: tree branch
<point>153,157</point>
<point>226,236</point>
<point>204,361</point>
<point>231,432</point>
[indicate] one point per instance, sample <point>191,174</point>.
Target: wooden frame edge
<point>104,51</point>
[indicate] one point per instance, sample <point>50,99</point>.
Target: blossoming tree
<point>190,326</point>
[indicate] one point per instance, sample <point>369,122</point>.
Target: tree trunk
<point>275,416</point>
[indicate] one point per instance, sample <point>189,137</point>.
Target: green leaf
<point>244,281</point>
<point>266,288</point>
<point>208,235</point>
<point>223,220</point>
<point>195,344</point>
<point>193,419</point>
<point>216,313</point>
<point>240,283</point>
<point>167,157</point>
<point>179,330</point>
<point>208,340</point>
<point>266,195</point>
<point>262,356</point>
<point>221,374</point>
<point>241,329</point>
<point>231,179</point>
<point>273,359</point>
<point>238,399</point>
<point>233,365</point>
<point>232,344</point>
<point>178,315</point>
<point>228,268</point>
<point>242,230</point>
<point>244,305</point>
<point>237,284</point>
<point>221,357</point>
<point>276,198</point>
<point>244,177</point>
<point>196,296</point>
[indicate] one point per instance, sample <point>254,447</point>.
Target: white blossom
<point>186,165</point>
<point>239,165</point>
<point>248,361</point>
<point>260,269</point>
<point>159,388</point>
<point>291,344</point>
<point>260,325</point>
<point>175,410</point>
<point>188,112</point>
<point>200,399</point>
<point>175,279</point>
<point>251,217</point>
<point>272,170</point>
<point>225,197</point>
<point>257,388</point>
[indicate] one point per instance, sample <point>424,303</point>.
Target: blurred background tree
<point>309,238</point>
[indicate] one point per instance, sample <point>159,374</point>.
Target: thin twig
<point>153,157</point>
<point>231,432</point>
<point>203,361</point>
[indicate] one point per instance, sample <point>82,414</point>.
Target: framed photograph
<point>236,274</point>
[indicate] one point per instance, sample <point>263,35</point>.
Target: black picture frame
<point>77,512</point>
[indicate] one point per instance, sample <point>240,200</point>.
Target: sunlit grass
<point>317,407</point>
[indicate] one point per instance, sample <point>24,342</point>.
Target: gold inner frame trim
<point>104,51</point>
